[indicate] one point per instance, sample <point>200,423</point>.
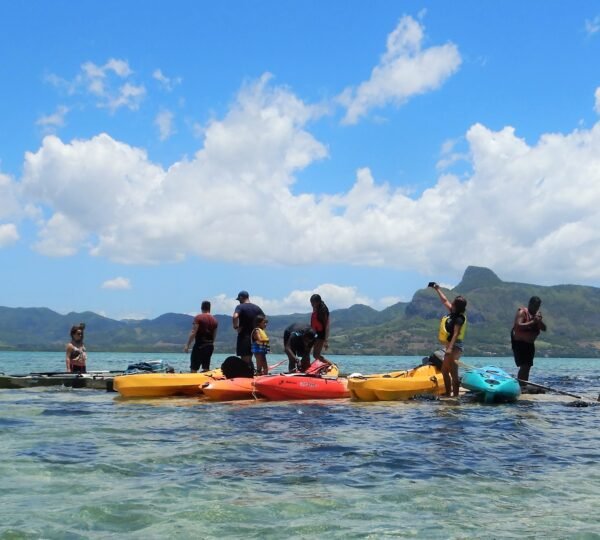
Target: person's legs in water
<point>450,372</point>
<point>261,364</point>
<point>454,372</point>
<point>317,348</point>
<point>523,373</point>
<point>446,369</point>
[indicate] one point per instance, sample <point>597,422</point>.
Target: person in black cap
<point>298,340</point>
<point>243,323</point>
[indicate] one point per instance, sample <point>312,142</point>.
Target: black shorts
<point>201,355</point>
<point>523,353</point>
<point>244,345</point>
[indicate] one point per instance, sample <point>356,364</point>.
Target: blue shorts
<point>257,348</point>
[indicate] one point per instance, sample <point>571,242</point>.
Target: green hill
<point>570,312</point>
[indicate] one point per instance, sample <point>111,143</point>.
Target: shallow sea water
<point>79,463</point>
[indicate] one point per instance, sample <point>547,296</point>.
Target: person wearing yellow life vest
<point>260,344</point>
<point>452,333</point>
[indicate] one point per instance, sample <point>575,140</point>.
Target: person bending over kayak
<point>453,328</point>
<point>298,341</point>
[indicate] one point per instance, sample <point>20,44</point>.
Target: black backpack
<point>234,366</point>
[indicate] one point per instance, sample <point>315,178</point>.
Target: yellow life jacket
<point>260,336</point>
<point>444,335</point>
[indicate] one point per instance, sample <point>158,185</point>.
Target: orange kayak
<point>300,386</point>
<point>229,389</point>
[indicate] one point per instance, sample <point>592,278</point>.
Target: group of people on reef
<point>250,323</point>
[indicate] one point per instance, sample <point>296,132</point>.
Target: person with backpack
<point>451,334</point>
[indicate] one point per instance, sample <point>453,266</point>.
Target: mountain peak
<point>477,277</point>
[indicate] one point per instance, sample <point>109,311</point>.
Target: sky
<point>156,154</point>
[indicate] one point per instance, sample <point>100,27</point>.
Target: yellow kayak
<point>397,385</point>
<point>163,384</point>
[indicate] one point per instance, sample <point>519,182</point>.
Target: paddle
<point>554,390</point>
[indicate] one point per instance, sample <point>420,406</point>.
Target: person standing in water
<point>76,355</point>
<point>203,334</point>
<point>526,328</point>
<point>260,344</point>
<point>319,321</point>
<point>243,323</point>
<point>452,329</point>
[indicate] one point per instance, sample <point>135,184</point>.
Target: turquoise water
<point>79,463</point>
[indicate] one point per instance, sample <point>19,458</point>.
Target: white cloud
<point>8,234</point>
<point>118,283</point>
<point>110,84</point>
<point>166,83</point>
<point>297,301</point>
<point>449,156</point>
<point>405,70</point>
<point>524,210</point>
<point>592,26</point>
<point>164,122</point>
<point>10,204</point>
<point>597,100</point>
<point>54,120</point>
<point>60,236</point>
<point>128,95</point>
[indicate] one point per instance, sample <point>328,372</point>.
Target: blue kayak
<point>491,384</point>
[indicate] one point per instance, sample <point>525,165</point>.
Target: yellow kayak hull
<point>163,384</point>
<point>397,385</point>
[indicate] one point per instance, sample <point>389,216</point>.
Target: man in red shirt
<point>203,334</point>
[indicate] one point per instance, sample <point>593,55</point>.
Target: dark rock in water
<point>532,390</point>
<point>580,403</point>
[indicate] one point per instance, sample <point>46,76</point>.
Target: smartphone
<point>432,284</point>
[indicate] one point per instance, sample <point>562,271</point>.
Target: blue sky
<point>156,154</point>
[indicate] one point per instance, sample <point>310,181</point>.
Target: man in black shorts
<point>203,334</point>
<point>243,323</point>
<point>526,328</point>
<point>298,340</point>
